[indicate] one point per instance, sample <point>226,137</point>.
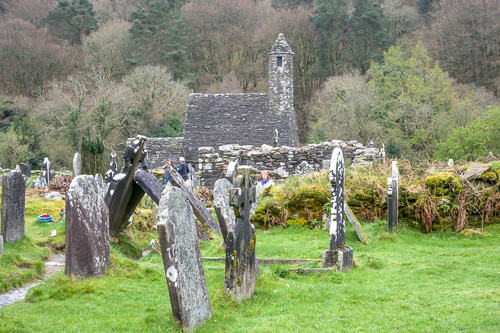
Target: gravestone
<point>47,175</point>
<point>77,164</point>
<point>87,228</point>
<point>13,191</point>
<point>241,265</point>
<point>223,209</point>
<point>339,255</point>
<point>1,245</point>
<point>25,170</point>
<point>181,255</point>
<point>192,175</point>
<point>393,196</point>
<point>113,168</point>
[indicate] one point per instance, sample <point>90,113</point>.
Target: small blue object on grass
<point>45,218</point>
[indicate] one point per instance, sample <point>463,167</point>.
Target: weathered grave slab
<point>180,250</point>
<point>476,170</point>
<point>25,170</point>
<point>223,209</point>
<point>200,210</point>
<point>87,228</point>
<point>113,168</point>
<point>77,164</point>
<point>355,224</point>
<point>47,174</point>
<point>339,255</point>
<point>241,265</point>
<point>13,200</point>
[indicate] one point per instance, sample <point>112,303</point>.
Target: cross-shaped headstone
<point>241,264</point>
<point>338,255</point>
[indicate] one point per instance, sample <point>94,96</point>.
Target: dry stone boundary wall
<point>280,162</point>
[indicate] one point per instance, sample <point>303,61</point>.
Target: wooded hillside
<point>422,77</point>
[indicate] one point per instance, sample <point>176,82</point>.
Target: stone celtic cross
<point>241,263</point>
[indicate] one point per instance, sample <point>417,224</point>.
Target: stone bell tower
<point>281,91</point>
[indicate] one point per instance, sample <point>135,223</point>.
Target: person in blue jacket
<point>171,164</point>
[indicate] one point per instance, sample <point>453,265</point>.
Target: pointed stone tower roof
<point>281,45</point>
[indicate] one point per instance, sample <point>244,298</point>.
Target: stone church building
<point>213,120</point>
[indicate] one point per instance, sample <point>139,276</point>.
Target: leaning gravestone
<point>87,228</point>
<point>223,209</point>
<point>25,170</point>
<point>47,175</point>
<point>180,250</point>
<point>13,191</point>
<point>339,255</point>
<point>77,164</point>
<point>241,264</point>
<point>393,198</point>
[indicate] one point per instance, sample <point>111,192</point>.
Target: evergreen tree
<point>331,21</point>
<point>160,35</point>
<point>369,37</point>
<point>71,20</point>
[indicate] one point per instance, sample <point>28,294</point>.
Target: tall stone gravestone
<point>393,198</point>
<point>13,191</point>
<point>87,228</point>
<point>339,255</point>
<point>241,264</point>
<point>77,164</point>
<point>182,259</point>
<point>47,175</point>
<point>223,209</point>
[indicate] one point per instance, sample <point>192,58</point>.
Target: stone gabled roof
<point>218,119</point>
<point>281,46</point>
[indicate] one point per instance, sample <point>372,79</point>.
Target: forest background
<point>423,77</point>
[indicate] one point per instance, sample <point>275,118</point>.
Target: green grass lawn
<point>413,282</point>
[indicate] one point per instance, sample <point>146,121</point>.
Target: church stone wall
<point>160,150</point>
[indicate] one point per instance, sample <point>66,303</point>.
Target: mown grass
<point>22,261</point>
<point>412,282</point>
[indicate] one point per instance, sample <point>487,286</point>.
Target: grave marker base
<point>341,259</point>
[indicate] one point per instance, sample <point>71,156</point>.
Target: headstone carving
<point>393,198</point>
<point>113,168</point>
<point>13,191</point>
<point>47,174</point>
<point>77,164</point>
<point>87,228</point>
<point>339,255</point>
<point>223,209</point>
<point>241,265</point>
<point>182,259</point>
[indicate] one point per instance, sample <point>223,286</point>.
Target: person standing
<point>183,168</point>
<point>170,165</point>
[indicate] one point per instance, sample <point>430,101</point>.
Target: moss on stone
<point>489,176</point>
<point>444,184</point>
